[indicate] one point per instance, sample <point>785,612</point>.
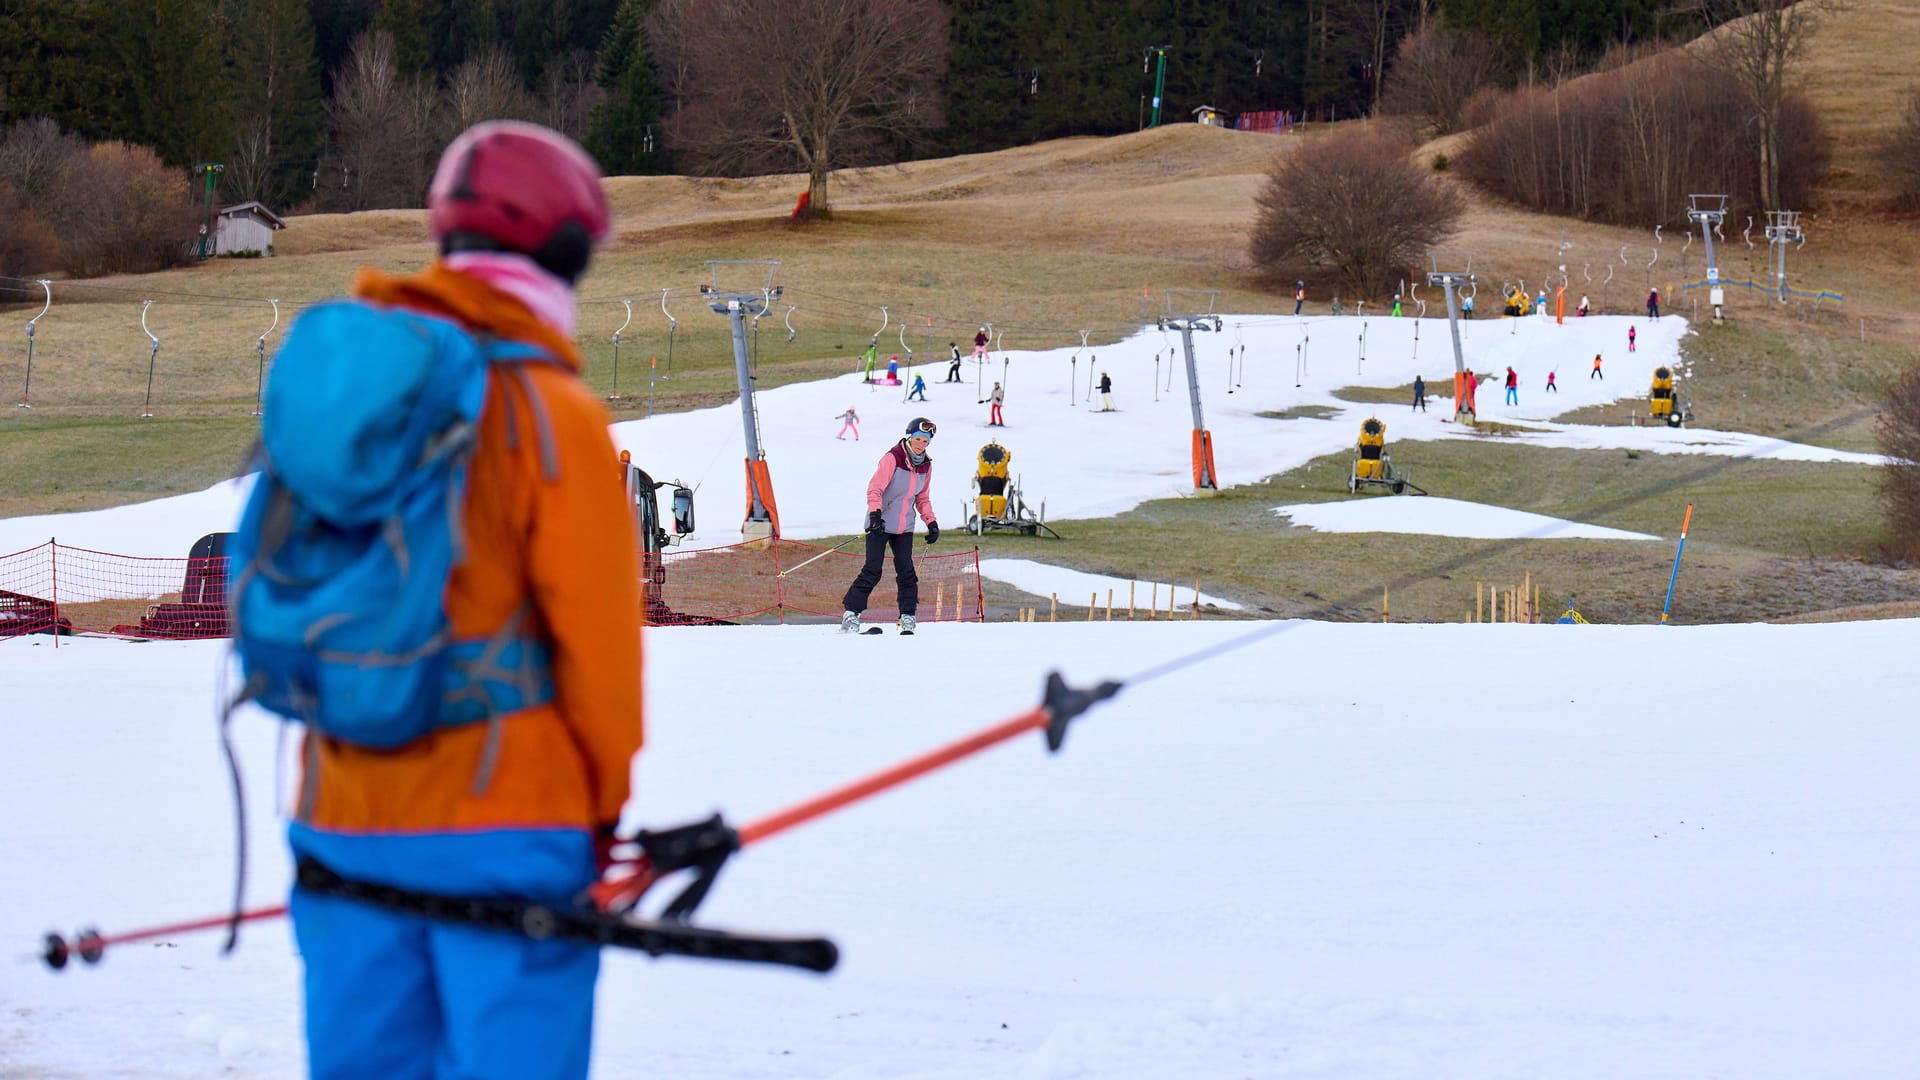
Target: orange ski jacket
<point>547,522</point>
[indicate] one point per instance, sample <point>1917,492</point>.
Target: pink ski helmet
<point>506,185</point>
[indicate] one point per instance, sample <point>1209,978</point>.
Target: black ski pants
<point>903,573</point>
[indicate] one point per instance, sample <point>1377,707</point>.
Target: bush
<point>1901,157</point>
<point>28,245</point>
<point>1353,201</point>
<point>1898,431</point>
<point>125,212</point>
<point>1627,145</point>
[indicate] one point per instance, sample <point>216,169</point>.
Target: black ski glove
<point>873,521</point>
<point>933,532</point>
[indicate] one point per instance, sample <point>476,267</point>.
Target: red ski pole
<point>1059,706</point>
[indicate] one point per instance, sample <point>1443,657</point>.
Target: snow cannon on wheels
<point>997,504</point>
<point>1374,466</point>
<point>1661,403</point>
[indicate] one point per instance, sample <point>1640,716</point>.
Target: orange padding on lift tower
<point>1203,474</point>
<point>758,481</point>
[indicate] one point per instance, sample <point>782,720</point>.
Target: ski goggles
<point>922,430</point>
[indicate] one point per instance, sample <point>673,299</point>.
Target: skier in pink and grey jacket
<point>901,485</point>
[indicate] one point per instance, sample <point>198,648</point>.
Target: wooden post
<point>1536,603</point>
<point>1385,590</point>
<point>1093,603</point>
<point>1476,601</point>
<point>1169,601</point>
<point>1153,603</point>
<point>1109,605</point>
<point>1526,597</point>
<point>1053,607</point>
<point>1196,598</point>
<point>1130,587</point>
<point>939,595</point>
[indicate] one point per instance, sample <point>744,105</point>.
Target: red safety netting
<point>774,579</point>
<point>82,591</point>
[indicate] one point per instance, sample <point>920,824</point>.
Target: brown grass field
<point>1051,239</point>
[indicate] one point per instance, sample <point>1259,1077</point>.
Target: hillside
<point>1042,241</point>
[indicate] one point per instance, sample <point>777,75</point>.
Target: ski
<point>585,925</point>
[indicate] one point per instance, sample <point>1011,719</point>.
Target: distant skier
<point>1466,306</point>
<point>1419,393</point>
<point>1582,310</point>
<point>1653,303</point>
<point>919,388</point>
<point>1596,370</point>
<point>1540,304</point>
<point>893,368</point>
<point>1513,386</point>
<point>1299,295</point>
<point>872,357</point>
<point>953,364</point>
<point>900,487</point>
<point>993,412</point>
<point>1551,388</point>
<point>1106,393</point>
<point>1396,305</point>
<point>980,344</point>
<point>1631,338</point>
<point>849,421</point>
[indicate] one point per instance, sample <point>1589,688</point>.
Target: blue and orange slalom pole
<point>1684,522</point>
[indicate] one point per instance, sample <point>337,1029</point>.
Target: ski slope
<point>1352,851</point>
<point>1342,851</point>
<point>1084,463</point>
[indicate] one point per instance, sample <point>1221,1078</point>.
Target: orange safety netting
<point>82,591</point>
<point>767,579</point>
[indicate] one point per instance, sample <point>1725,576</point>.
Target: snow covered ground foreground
<point>1347,851</point>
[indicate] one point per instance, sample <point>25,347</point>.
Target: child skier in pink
<point>1631,335</point>
<point>1551,389</point>
<point>851,422</point>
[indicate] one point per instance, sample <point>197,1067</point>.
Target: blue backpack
<point>338,572</point>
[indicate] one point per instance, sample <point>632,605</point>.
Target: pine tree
<point>405,22</point>
<point>278,111</point>
<point>624,135</point>
<point>172,53</point>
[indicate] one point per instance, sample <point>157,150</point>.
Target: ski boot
<point>849,622</point>
<point>907,624</point>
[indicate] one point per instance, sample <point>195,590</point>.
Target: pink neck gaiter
<point>548,297</point>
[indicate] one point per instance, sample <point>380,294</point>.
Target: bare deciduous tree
<point>1900,156</point>
<point>485,86</point>
<point>32,155</point>
<point>381,142</point>
<point>1760,44</point>
<point>1437,70</point>
<point>1355,202</point>
<point>568,94</point>
<point>817,84</point>
<point>1626,145</point>
<point>1898,434</point>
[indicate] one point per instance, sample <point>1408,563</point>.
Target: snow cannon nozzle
<point>1063,703</point>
